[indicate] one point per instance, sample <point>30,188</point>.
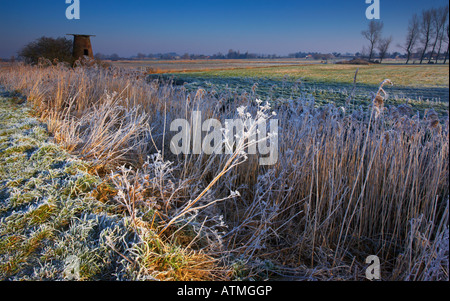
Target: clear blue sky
<point>205,26</point>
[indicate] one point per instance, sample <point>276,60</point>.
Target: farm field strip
<point>421,86</point>
<point>205,65</point>
<point>401,75</point>
<point>429,76</point>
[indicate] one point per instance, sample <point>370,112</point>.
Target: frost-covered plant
<point>237,157</point>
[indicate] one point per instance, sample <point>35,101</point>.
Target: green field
<point>428,76</point>
<point>421,86</point>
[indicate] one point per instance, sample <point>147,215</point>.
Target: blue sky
<point>205,26</point>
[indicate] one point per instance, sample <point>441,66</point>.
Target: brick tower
<point>82,46</point>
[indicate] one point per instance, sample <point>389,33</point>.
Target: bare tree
<point>412,36</point>
<point>443,26</point>
<point>438,20</point>
<point>373,35</point>
<point>448,43</point>
<point>383,47</point>
<point>426,31</point>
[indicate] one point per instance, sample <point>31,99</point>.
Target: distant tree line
<point>111,57</point>
<point>232,54</point>
<point>237,55</point>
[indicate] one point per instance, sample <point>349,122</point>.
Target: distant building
<point>82,46</point>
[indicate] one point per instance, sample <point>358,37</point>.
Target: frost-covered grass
<point>47,213</point>
<point>350,181</point>
<point>53,208</point>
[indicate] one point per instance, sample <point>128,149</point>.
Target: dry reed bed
<point>345,186</point>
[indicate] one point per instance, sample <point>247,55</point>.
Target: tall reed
<point>345,186</point>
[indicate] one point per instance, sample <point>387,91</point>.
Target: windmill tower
<point>82,46</point>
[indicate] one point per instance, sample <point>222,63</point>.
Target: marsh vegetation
<point>352,180</point>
